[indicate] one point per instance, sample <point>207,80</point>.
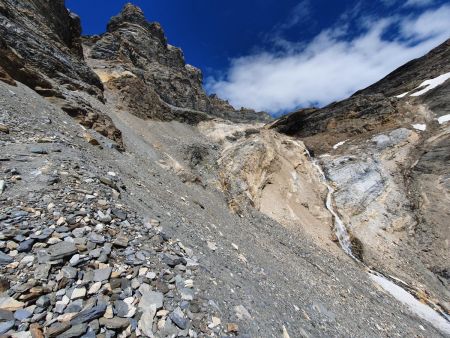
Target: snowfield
<point>428,85</point>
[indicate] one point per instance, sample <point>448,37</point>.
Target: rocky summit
<point>133,204</point>
<point>150,77</point>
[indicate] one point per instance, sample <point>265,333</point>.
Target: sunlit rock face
<point>140,48</point>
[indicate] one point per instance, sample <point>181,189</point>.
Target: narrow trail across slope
<point>394,286</point>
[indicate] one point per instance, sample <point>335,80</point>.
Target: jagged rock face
<point>142,46</point>
<point>40,46</point>
<point>145,103</point>
<point>431,197</point>
<point>43,38</point>
<point>392,194</point>
<point>134,45</point>
<point>436,100</point>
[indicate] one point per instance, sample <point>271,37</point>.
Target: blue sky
<point>277,55</point>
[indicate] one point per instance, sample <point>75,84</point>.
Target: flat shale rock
<point>150,298</point>
<point>10,304</point>
<point>61,250</point>
<point>90,314</point>
<point>5,259</point>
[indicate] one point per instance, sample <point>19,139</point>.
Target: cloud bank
<point>335,64</point>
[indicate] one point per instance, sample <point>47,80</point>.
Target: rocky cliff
<point>134,59</point>
<point>133,204</point>
<point>40,46</point>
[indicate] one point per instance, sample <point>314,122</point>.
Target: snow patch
<point>402,95</point>
<point>433,83</point>
<point>428,84</point>
<point>420,126</point>
<point>444,119</point>
<point>337,145</point>
<point>420,309</point>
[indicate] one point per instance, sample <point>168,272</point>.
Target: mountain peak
<point>129,14</point>
<point>141,46</point>
<point>133,15</point>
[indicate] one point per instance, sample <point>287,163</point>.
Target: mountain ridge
<point>140,46</point>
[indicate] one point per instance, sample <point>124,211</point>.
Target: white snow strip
<point>420,309</point>
<point>337,145</point>
<point>433,83</point>
<point>444,119</point>
<point>420,126</point>
<point>402,95</point>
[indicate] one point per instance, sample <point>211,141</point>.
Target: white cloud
<point>418,3</point>
<point>409,3</point>
<point>299,13</point>
<point>332,66</point>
